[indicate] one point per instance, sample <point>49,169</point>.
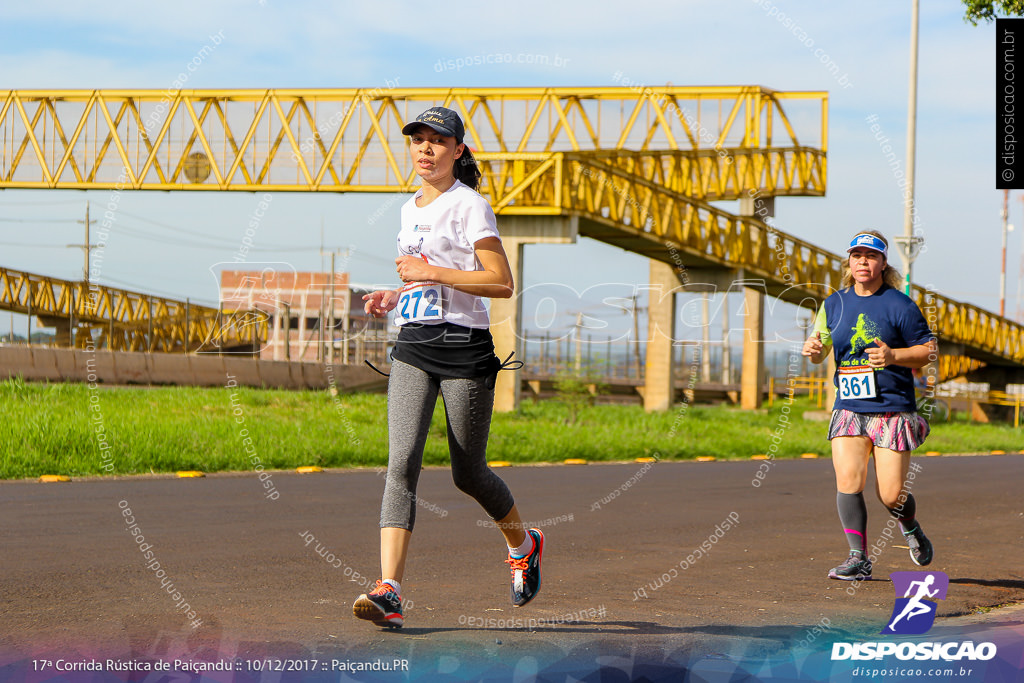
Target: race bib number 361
<point>858,382</point>
<point>420,302</point>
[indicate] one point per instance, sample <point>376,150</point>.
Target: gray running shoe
<point>856,568</point>
<point>921,551</point>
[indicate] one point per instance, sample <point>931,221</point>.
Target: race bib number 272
<point>420,302</point>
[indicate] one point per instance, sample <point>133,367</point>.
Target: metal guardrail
<point>996,398</point>
<point>815,386</point>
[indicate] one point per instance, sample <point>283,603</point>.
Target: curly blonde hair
<point>890,275</point>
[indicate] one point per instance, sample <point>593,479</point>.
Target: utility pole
<point>726,348</point>
<point>346,321</point>
<point>805,325</point>
<point>579,354</point>
<point>87,247</point>
<point>85,299</point>
<point>330,318</point>
<point>910,244</point>
<point>636,335</point>
<point>287,331</point>
<point>705,368</point>
<point>330,311</point>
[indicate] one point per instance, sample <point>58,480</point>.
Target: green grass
<point>52,429</point>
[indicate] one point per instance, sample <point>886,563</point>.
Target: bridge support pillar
<point>506,314</point>
<point>659,375</point>
<point>62,330</point>
<point>752,372</point>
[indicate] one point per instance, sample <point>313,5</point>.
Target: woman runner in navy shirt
<point>878,335</point>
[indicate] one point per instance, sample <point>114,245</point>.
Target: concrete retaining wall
<point>36,364</point>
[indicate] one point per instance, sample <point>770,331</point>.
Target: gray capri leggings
<point>412,394</point>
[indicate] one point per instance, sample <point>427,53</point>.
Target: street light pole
<point>1020,280</point>
<point>1002,269</point>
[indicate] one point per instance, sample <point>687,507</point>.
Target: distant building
<point>306,322</point>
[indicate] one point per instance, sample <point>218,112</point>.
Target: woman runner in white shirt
<point>450,258</point>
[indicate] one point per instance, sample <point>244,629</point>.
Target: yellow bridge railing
<point>349,140</point>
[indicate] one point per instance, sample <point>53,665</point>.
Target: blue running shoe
<point>526,571</point>
<point>382,606</point>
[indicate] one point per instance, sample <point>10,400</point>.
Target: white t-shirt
<point>444,232</point>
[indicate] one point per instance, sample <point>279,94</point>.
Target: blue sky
<point>271,43</point>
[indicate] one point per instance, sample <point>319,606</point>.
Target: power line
<point>138,233</point>
<point>65,201</point>
<point>31,246</point>
<point>219,241</point>
<point>227,243</point>
<point>208,242</point>
<point>145,289</point>
<point>166,226</point>
<point>38,220</point>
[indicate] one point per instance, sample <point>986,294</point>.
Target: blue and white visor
<point>868,242</point>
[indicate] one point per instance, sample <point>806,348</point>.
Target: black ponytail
<point>466,169</point>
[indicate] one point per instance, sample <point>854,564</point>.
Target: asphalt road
<point>75,584</point>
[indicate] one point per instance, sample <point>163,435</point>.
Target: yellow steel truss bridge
<point>129,321</point>
<point>638,167</point>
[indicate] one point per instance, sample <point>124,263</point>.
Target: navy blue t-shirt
<point>852,323</point>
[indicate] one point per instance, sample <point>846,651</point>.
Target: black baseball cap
<point>443,120</point>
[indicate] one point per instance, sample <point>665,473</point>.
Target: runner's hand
<point>813,347</point>
<point>880,356</point>
<point>413,269</point>
<point>380,303</point>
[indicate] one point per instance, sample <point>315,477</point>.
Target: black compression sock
<point>906,514</point>
<point>853,513</point>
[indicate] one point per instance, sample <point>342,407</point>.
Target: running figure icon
<point>915,606</point>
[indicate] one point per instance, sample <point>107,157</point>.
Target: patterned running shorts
<point>895,431</point>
